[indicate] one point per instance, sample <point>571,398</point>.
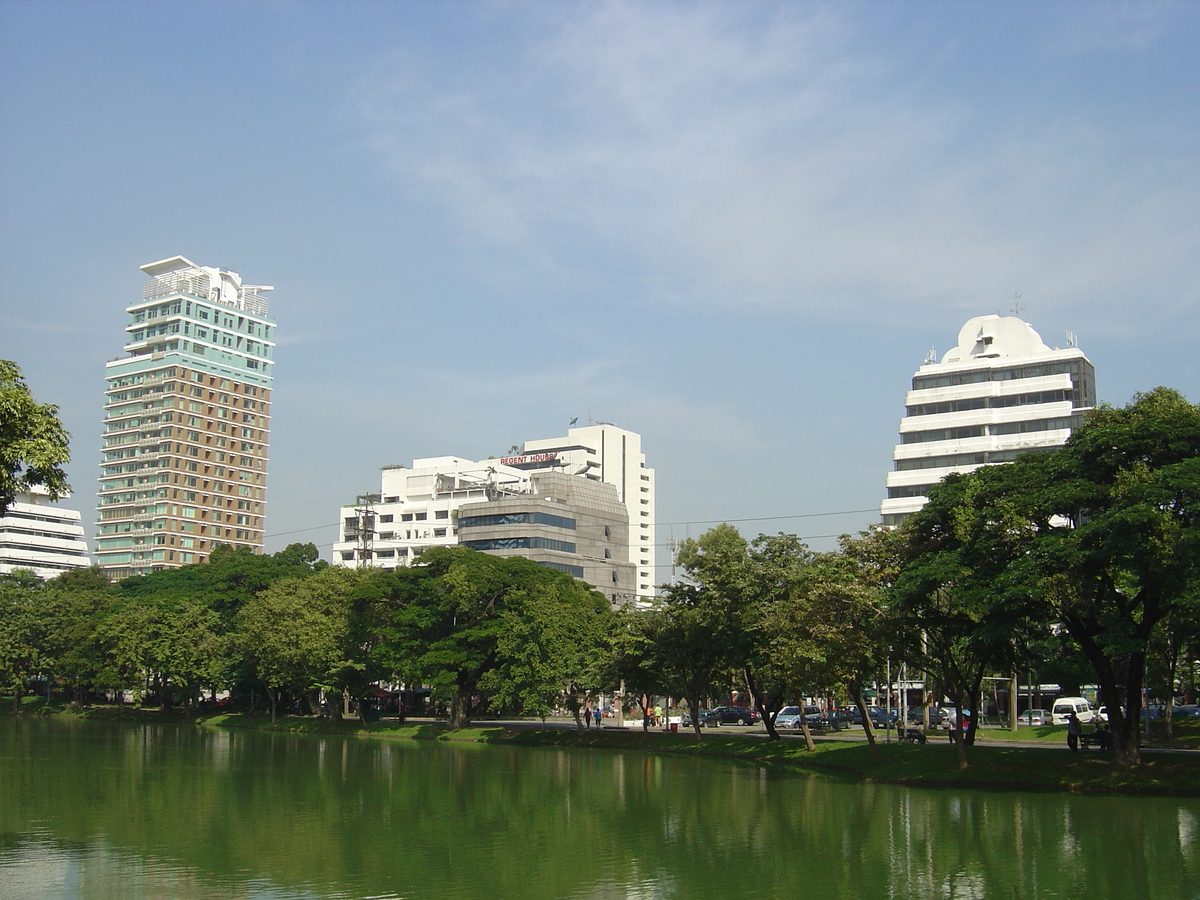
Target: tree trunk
<point>764,705</point>
<point>460,709</point>
<point>573,706</point>
<point>693,702</point>
<point>960,741</point>
<point>856,695</point>
<point>272,696</point>
<point>808,740</point>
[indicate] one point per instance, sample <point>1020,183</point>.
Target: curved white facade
<point>999,393</point>
<point>47,539</point>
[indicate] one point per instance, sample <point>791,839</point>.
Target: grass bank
<point>994,767</point>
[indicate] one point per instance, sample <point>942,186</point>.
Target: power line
<point>841,512</point>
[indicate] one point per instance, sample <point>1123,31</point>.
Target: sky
<point>735,228</point>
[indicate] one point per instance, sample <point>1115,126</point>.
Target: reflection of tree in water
<point>434,820</point>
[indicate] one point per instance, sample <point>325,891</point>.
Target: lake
<point>99,810</point>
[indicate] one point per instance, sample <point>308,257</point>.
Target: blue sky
<point>734,227</point>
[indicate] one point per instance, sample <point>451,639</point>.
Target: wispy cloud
<point>776,155</point>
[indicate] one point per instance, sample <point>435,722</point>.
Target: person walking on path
<point>1074,729</point>
<point>587,718</point>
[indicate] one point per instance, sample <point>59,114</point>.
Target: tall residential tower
<point>1000,393</point>
<point>187,421</point>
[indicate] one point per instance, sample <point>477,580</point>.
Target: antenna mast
<point>364,509</point>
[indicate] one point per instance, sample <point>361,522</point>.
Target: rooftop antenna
<point>1017,308</point>
<point>931,356</point>
<point>1072,340</point>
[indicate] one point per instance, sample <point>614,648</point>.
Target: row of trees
<point>1089,552</point>
<point>291,626</point>
<point>1086,556</point>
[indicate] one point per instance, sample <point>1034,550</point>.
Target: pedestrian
<point>599,716</point>
<point>587,718</point>
<point>1074,728</point>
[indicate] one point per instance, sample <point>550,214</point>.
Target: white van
<point>1064,706</point>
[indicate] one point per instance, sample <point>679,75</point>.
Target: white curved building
<point>1000,393</point>
<point>34,534</point>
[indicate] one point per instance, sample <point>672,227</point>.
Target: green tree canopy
<point>33,444</point>
<point>1101,537</point>
<point>464,621</point>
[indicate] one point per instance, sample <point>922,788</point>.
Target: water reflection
<point>97,811</point>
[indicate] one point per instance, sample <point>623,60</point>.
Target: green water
<point>109,811</point>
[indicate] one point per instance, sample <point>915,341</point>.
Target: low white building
<point>998,394</point>
<point>417,508</point>
<point>34,534</point>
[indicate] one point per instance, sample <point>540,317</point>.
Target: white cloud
<point>772,155</point>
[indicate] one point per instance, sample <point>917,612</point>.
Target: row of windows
<point>519,518</point>
<point>576,571</point>
<point>909,490</point>
<point>970,431</point>
<point>969,403</point>
<point>521,543</point>
<point>966,459</point>
<point>975,376</point>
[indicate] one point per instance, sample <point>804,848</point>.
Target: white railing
<point>185,281</point>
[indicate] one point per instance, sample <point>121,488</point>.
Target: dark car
<point>729,715</point>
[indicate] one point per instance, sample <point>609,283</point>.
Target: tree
<point>681,642</point>
<point>737,583</point>
<point>20,639</point>
<point>297,634</point>
<point>33,444</point>
<point>956,590</point>
<point>1101,537</point>
<point>451,622</point>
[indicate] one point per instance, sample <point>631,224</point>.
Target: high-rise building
<point>998,394</point>
<point>34,534</point>
<point>187,421</point>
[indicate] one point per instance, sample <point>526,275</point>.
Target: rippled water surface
<point>90,810</point>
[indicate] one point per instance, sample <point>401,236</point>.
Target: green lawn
<point>991,765</point>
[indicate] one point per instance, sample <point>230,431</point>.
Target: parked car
<point>1034,717</point>
<point>1064,706</point>
<point>789,716</point>
<point>729,715</point>
<point>1187,711</point>
<point>947,714</point>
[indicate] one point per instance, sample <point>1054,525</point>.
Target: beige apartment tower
<point>187,422</point>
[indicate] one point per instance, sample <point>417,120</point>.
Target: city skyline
<point>735,230</point>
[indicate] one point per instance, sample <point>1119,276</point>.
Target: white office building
<point>35,534</point>
<point>418,507</point>
<point>1000,393</point>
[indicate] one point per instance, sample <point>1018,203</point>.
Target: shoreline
<point>991,766</point>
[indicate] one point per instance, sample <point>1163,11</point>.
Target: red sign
<point>528,460</point>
